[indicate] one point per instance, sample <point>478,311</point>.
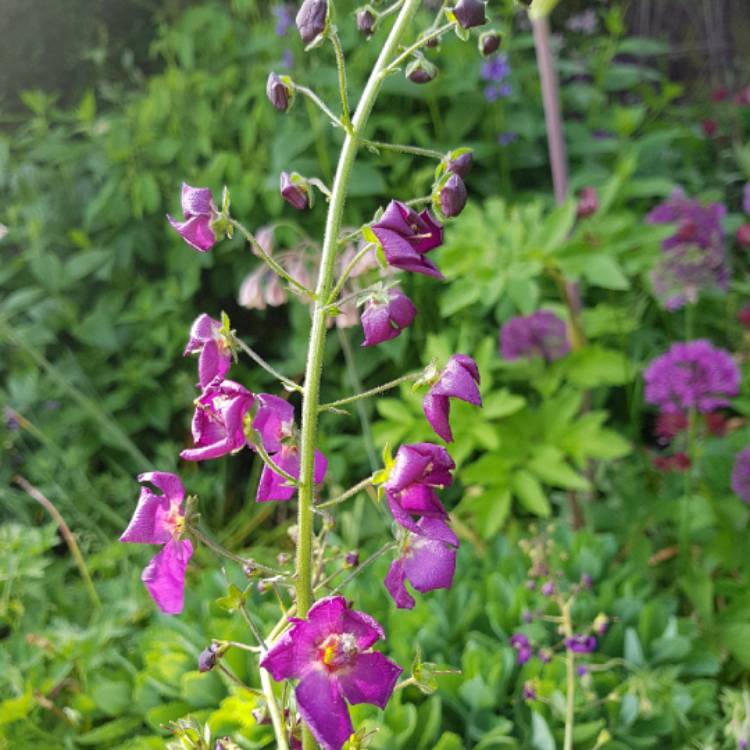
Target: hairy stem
<point>403,149</point>
<point>372,392</point>
<point>421,42</point>
<point>341,65</point>
<point>320,104</point>
<point>311,396</point>
<point>286,382</point>
<point>347,272</point>
<point>346,495</point>
<point>279,728</point>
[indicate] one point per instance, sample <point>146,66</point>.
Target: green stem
<point>268,461</point>
<point>311,396</point>
<point>320,104</point>
<point>270,262</point>
<point>346,495</point>
<point>347,272</point>
<point>372,392</point>
<point>286,382</point>
<point>343,93</point>
<point>570,679</point>
<point>279,727</point>
<point>224,552</point>
<point>403,149</point>
<point>421,42</point>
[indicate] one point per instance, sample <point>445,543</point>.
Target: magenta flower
<point>273,421</point>
<point>741,475</point>
<point>215,354</point>
<point>159,519</point>
<point>541,334</point>
<point>330,654</point>
<point>581,644</point>
<point>459,379</point>
<point>427,561</point>
<point>218,423</point>
<point>386,315</point>
<point>418,469</point>
<point>199,210</point>
<point>692,375</point>
<point>273,486</point>
<point>522,646</point>
<point>406,237</point>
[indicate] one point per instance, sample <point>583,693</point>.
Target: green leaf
<point>605,271</point>
<point>548,463</point>
<point>736,639</point>
<point>541,737</point>
<point>595,366</point>
<point>633,651</point>
<point>530,494</point>
<point>109,732</point>
<point>503,403</point>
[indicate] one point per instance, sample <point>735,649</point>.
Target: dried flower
<point>199,211</point>
<point>387,314</point>
<point>330,654</point>
<point>160,519</point>
<point>541,334</point>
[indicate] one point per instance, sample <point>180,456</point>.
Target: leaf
<point>530,494</point>
<point>460,294</point>
<point>604,271</point>
<point>503,403</point>
<point>109,732</point>
<point>541,737</point>
<point>595,366</point>
<point>736,639</point>
<point>633,651</point>
<point>548,463</point>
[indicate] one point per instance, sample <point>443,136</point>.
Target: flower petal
<point>164,576</point>
<point>437,412</point>
<point>196,232</point>
<point>394,583</point>
<point>371,679</point>
<point>429,564</point>
<point>195,201</point>
<point>323,710</point>
<point>146,526</point>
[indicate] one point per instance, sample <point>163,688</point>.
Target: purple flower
<point>366,22</point>
<point>692,375</point>
<point>386,315</point>
<point>218,422</point>
<point>741,475</point>
<point>295,190</point>
<point>522,646</point>
<point>459,379</point>
<point>421,70</point>
<point>507,138</point>
<point>273,486</point>
<point>406,237</point>
<point>273,421</point>
<point>427,561</point>
<point>581,644</point>
<point>460,163</point>
<point>452,196</point>
<point>489,43</point>
<point>283,18</point>
<point>330,654</point>
<point>548,588</point>
<point>582,670</point>
<point>493,92</point>
<point>541,334</point>
<point>693,258</point>
<point>159,519</point>
<point>215,354</point>
<point>418,469</point>
<point>470,13</point>
<point>746,198</point>
<point>495,70</point>
<point>199,210</point>
<point>311,19</point>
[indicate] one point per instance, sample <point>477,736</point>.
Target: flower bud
<point>311,19</point>
<point>489,43</point>
<point>453,196</point>
<point>470,13</point>
<point>421,71</point>
<point>208,657</point>
<point>460,162</point>
<point>588,202</point>
<point>433,42</point>
<point>548,588</point>
<point>283,558</point>
<point>366,21</point>
<point>295,190</point>
<point>352,559</point>
<point>278,93</point>
<point>743,236</point>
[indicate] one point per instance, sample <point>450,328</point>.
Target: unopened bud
<point>208,657</point>
<point>588,202</point>
<point>295,190</point>
<point>460,162</point>
<point>470,13</point>
<point>278,92</point>
<point>421,71</point>
<point>352,558</point>
<point>282,558</point>
<point>249,569</point>
<point>452,196</point>
<point>311,19</point>
<point>366,22</point>
<point>489,43</point>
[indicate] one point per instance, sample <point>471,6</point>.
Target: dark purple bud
<point>311,19</point>
<point>581,644</point>
<point>489,43</point>
<point>366,22</point>
<point>421,71</point>
<point>352,558</point>
<point>470,13</point>
<point>588,202</point>
<point>460,164</point>
<point>529,692</point>
<point>278,92</point>
<point>294,190</point>
<point>453,196</point>
<point>207,658</point>
<point>433,42</point>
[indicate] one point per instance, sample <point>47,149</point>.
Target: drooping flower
<point>692,375</point>
<point>283,18</point>
<point>406,237</point>
<point>427,560</point>
<point>421,70</point>
<point>365,22</point>
<point>522,646</point>
<point>278,92</point>
<point>541,334</point>
<point>581,644</point>
<point>218,422</point>
<point>418,469</point>
<point>489,43</point>
<point>470,13</point>
<point>741,475</point>
<point>199,210</point>
<point>387,314</point>
<point>311,19</point>
<point>452,196</point>
<point>159,519</point>
<point>272,486</point>
<point>207,337</point>
<point>460,162</point>
<point>459,379</point>
<point>330,653</point>
<point>295,190</point>
<point>693,258</point>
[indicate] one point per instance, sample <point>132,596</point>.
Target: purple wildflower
<point>406,237</point>
<point>581,644</point>
<point>459,379</point>
<point>548,588</point>
<point>273,421</point>
<point>199,210</point>
<point>495,71</point>
<point>218,422</point>
<point>284,19</point>
<point>507,138</point>
<point>330,654</point>
<point>159,519</point>
<point>522,646</point>
<point>295,190</point>
<point>418,469</point>
<point>691,375</point>
<point>215,353</point>
<point>386,315</point>
<point>273,486</point>
<point>470,13</point>
<point>452,196</point>
<point>741,475</point>
<point>287,59</point>
<point>427,561</point>
<point>311,19</point>
<point>693,258</point>
<point>582,670</point>
<point>541,334</point>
